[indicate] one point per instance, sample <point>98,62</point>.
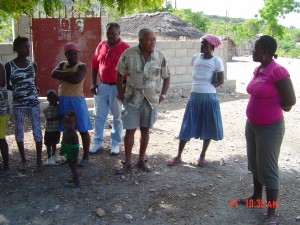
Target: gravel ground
<point>185,194</point>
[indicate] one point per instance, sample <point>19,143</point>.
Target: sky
<point>233,8</point>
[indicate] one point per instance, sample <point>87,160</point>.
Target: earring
<point>264,58</point>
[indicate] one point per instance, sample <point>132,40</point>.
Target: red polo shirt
<point>105,60</point>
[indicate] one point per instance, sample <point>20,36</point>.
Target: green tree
<point>247,30</point>
<point>15,8</point>
<point>274,9</point>
<point>5,30</point>
<point>197,19</point>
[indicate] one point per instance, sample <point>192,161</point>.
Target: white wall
<point>179,55</point>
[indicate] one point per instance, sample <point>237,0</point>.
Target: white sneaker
<point>115,150</point>
<point>96,147</point>
<point>56,158</point>
<point>50,162</point>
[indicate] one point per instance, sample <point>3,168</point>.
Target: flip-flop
<point>245,201</point>
<point>272,222</point>
<point>124,169</point>
<point>173,161</point>
<point>201,162</point>
<point>144,166</point>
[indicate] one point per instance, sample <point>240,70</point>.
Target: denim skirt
<point>202,118</point>
<point>77,104</point>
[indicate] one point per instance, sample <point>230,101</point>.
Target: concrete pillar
<point>22,27</point>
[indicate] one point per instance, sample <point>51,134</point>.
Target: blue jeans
<point>105,101</point>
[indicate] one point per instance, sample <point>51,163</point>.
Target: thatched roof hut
<point>165,25</point>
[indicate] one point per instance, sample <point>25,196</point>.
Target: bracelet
<point>164,96</point>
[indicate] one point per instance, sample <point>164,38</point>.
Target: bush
<point>288,48</point>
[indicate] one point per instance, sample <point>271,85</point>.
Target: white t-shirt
<point>203,70</point>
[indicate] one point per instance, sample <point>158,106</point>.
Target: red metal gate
<point>49,35</point>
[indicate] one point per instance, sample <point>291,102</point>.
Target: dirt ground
<point>184,194</point>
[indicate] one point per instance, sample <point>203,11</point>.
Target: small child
<point>70,145</point>
<point>52,135</point>
<point>4,111</point>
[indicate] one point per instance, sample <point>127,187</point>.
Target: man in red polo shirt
<point>105,92</point>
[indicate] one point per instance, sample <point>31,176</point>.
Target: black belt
<point>109,83</point>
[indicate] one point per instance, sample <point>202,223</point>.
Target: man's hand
<point>161,98</point>
<point>93,89</point>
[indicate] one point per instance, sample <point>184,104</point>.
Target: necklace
<point>261,69</point>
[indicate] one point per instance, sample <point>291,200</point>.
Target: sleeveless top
<point>24,91</point>
<point>4,107</point>
<point>68,89</point>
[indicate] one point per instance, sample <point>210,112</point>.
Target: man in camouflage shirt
<point>145,67</point>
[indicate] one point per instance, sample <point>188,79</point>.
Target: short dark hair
<point>18,41</point>
<point>113,24</point>
<point>268,43</point>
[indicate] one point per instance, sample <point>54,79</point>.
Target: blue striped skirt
<point>202,118</point>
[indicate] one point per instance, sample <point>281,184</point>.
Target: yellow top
<point>68,89</point>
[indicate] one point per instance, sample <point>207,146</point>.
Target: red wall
<point>49,35</point>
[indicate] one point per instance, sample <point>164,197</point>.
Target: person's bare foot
<point>4,173</point>
<point>174,161</point>
<point>39,167</point>
<point>201,162</point>
<point>22,166</point>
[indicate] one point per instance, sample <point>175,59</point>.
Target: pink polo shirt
<point>105,60</point>
<point>264,104</point>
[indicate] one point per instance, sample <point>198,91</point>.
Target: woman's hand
<point>93,89</point>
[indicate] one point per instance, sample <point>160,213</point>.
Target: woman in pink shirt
<point>271,92</point>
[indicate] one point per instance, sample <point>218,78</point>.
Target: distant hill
<point>224,18</point>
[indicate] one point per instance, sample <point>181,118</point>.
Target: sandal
<point>124,169</point>
<point>250,200</point>
<point>272,222</point>
<point>144,166</point>
<point>174,161</point>
<point>201,162</point>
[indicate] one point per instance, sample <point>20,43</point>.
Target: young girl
<point>52,135</point>
<point>21,80</point>
<point>70,145</point>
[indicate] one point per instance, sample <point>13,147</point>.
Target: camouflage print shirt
<point>143,78</point>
